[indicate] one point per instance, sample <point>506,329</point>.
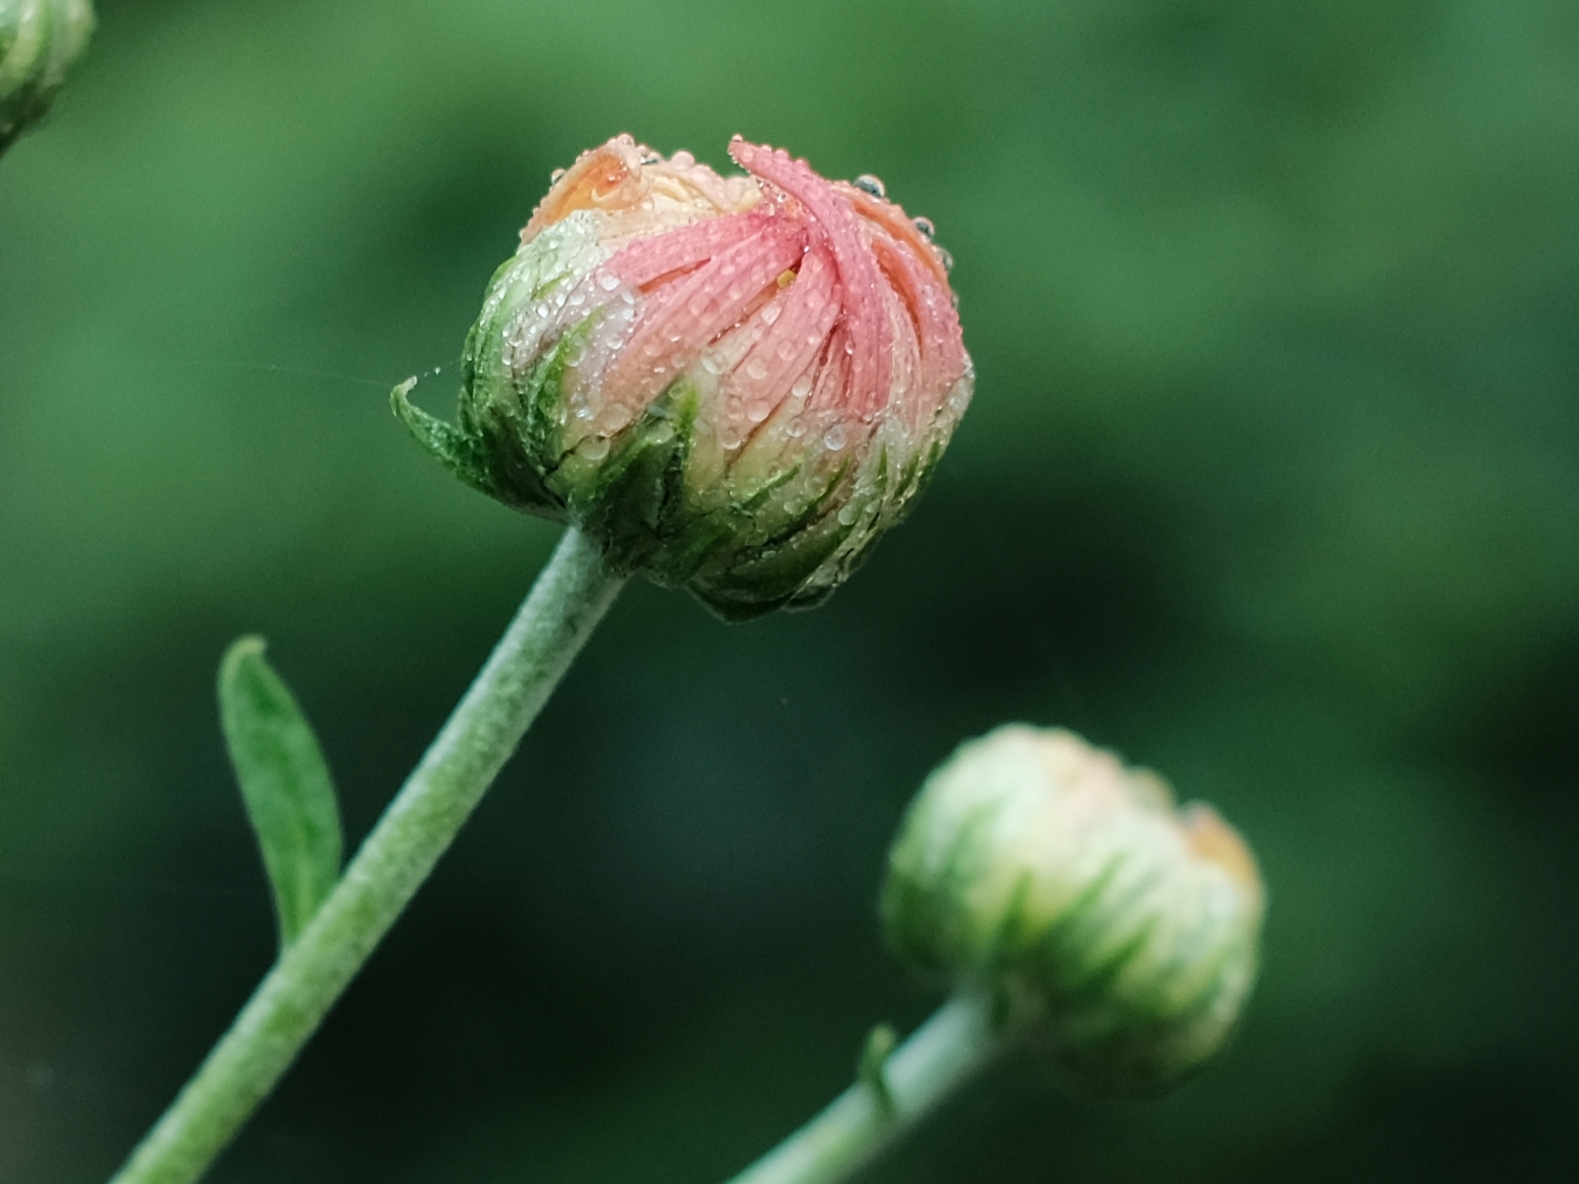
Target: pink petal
<point>858,273</point>
<point>693,310</point>
<point>794,341</point>
<point>650,259</point>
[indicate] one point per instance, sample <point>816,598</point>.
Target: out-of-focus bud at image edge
<point>39,42</point>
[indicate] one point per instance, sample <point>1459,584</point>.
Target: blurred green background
<point>1272,482</point>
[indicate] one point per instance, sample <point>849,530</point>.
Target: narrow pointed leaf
<point>285,784</point>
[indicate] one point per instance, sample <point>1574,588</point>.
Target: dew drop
<point>867,183</point>
<point>835,438</point>
<point>945,259</point>
<point>757,368</point>
<point>796,427</point>
<point>785,349</point>
<point>771,313</point>
<point>758,409</point>
<point>608,281</point>
<point>801,389</point>
<point>553,177</point>
<point>924,228</point>
<point>594,447</point>
<point>847,514</point>
<point>712,363</point>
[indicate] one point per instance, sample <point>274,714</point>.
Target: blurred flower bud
<point>39,40</point>
<point>1122,930</point>
<point>736,383</point>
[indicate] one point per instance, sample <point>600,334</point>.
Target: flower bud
<point>39,40</point>
<point>1121,930</point>
<point>735,383</point>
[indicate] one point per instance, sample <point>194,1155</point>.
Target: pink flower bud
<point>736,383</point>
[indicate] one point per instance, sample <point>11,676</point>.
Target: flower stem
<point>565,604</point>
<point>940,1056</point>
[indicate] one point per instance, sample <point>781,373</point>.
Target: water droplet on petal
<point>801,389</point>
<point>946,259</point>
<point>835,438</point>
<point>594,447</point>
<point>771,314</point>
<point>847,514</point>
<point>553,177</point>
<point>870,184</point>
<point>924,228</point>
<point>758,410</point>
<point>757,368</point>
<point>608,281</point>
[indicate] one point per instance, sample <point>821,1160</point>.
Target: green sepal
<point>450,446</point>
<point>285,784</point>
<point>629,500</point>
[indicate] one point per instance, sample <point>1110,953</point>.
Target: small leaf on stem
<point>872,1069</point>
<point>285,784</point>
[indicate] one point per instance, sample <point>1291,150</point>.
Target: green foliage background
<point>1272,482</point>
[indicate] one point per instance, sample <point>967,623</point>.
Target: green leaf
<point>285,784</point>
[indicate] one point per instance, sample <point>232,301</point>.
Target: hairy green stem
<point>940,1056</point>
<point>565,604</point>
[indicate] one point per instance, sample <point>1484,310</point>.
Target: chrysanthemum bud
<point>39,40</point>
<point>1121,929</point>
<point>735,383</point>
